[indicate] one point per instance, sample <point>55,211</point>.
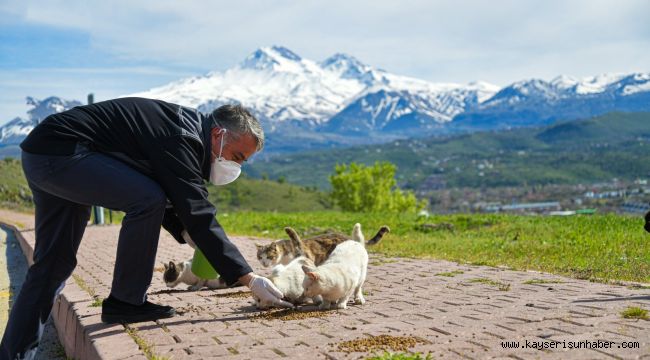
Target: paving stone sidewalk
<point>457,316</point>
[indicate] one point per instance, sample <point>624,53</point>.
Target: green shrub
<point>357,188</point>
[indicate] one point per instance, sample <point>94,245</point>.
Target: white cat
<point>341,276</point>
<point>182,273</point>
<point>289,279</point>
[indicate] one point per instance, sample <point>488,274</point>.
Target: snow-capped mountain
<point>306,104</point>
<point>343,96</point>
<point>537,102</point>
<point>276,83</point>
<point>404,111</point>
<point>17,129</point>
<point>281,86</point>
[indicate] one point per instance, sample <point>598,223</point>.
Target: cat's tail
<point>380,234</point>
<point>357,234</point>
<point>295,239</point>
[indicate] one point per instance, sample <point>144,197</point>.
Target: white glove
<point>188,239</point>
<point>264,291</point>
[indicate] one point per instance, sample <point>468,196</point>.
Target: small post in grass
<point>98,211</point>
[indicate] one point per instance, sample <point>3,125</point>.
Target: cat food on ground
<point>290,314</point>
<point>182,310</point>
<point>236,295</point>
<point>381,342</point>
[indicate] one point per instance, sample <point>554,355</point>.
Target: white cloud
<point>401,36</point>
<point>448,41</point>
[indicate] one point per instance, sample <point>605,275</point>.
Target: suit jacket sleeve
<point>173,225</point>
<point>177,165</point>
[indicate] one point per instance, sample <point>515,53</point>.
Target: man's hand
<point>264,290</point>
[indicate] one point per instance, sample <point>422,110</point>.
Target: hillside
<point>244,194</point>
<point>598,149</point>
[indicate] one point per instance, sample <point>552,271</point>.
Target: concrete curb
<point>83,336</point>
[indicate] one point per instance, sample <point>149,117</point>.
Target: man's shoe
<point>116,311</point>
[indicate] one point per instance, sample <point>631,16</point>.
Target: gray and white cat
<point>181,272</point>
<point>341,276</point>
<point>289,279</point>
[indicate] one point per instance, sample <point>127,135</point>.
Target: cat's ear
<point>311,273</point>
<point>165,266</point>
<point>259,246</point>
<point>171,265</point>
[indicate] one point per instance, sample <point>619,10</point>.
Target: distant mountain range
<point>304,104</point>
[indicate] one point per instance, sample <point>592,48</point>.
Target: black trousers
<point>64,188</point>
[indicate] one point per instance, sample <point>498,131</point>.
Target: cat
<point>181,272</point>
<point>341,276</point>
<point>289,279</point>
<point>316,248</point>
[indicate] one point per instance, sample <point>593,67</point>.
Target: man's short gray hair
<point>238,121</point>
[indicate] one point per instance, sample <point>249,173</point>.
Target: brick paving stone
<point>459,318</point>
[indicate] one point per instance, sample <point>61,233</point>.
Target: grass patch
<point>634,312</point>
<point>59,352</point>
<point>450,273</point>
<point>599,247</point>
<point>543,281</point>
<point>382,262</point>
<point>88,289</point>
<point>146,348</point>
<point>639,287</point>
<point>499,285</point>
<point>400,356</point>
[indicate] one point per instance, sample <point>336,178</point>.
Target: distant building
<point>635,207</point>
<point>432,183</point>
<point>540,207</point>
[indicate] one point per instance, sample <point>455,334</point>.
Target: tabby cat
<point>316,248</point>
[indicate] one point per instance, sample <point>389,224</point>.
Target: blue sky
<point>69,48</point>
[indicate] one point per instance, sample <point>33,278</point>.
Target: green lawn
<point>601,248</point>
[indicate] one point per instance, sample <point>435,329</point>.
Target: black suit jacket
<point>167,142</point>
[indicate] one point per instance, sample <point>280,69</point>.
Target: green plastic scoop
<point>201,266</point>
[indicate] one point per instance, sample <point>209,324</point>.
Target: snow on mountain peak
<point>271,58</point>
<point>343,63</point>
<point>279,85</point>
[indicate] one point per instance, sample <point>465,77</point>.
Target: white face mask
<point>224,171</point>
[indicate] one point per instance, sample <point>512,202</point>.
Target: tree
<point>357,187</point>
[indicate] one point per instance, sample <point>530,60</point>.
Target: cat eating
<point>289,279</point>
<point>316,248</point>
<point>181,272</point>
<point>341,276</point>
